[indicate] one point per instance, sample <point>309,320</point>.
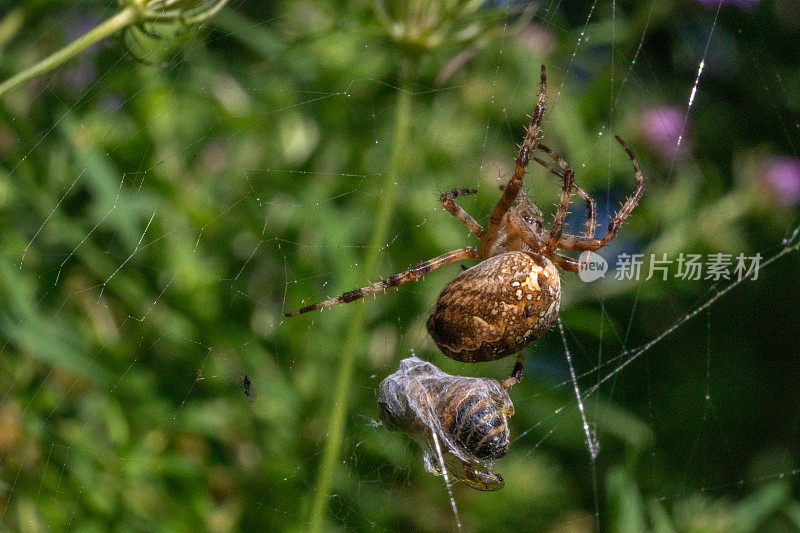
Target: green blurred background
<point>164,200</point>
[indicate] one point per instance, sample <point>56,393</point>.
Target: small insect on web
<point>513,296</point>
<point>464,418</point>
<point>247,387</point>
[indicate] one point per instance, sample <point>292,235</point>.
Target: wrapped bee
<point>463,418</point>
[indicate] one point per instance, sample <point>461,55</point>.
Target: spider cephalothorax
<point>512,297</point>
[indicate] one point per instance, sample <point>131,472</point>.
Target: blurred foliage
<point>158,219</point>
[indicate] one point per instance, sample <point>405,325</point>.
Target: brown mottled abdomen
<point>496,307</point>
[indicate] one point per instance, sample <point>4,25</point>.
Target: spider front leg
<point>448,202</point>
<point>573,242</point>
<point>413,273</point>
<point>528,144</point>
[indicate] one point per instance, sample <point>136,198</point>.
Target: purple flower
<point>780,176</point>
<point>743,4</point>
<point>661,127</point>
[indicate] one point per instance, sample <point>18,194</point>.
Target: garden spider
<point>511,297</point>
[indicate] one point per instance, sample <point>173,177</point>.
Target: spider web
<point>160,217</point>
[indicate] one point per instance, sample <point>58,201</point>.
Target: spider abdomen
<point>496,308</point>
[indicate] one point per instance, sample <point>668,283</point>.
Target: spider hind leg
<point>516,372</point>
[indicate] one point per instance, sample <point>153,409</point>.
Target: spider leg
<point>572,242</point>
<point>516,373</point>
<point>591,206</point>
<point>518,226</point>
<point>448,201</point>
<point>413,273</point>
<point>566,263</point>
<point>535,242</point>
<point>528,144</point>
<point>561,213</point>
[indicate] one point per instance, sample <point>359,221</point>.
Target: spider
<point>511,297</point>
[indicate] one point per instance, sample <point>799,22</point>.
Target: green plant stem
<point>121,20</point>
<point>353,344</point>
<point>11,24</point>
